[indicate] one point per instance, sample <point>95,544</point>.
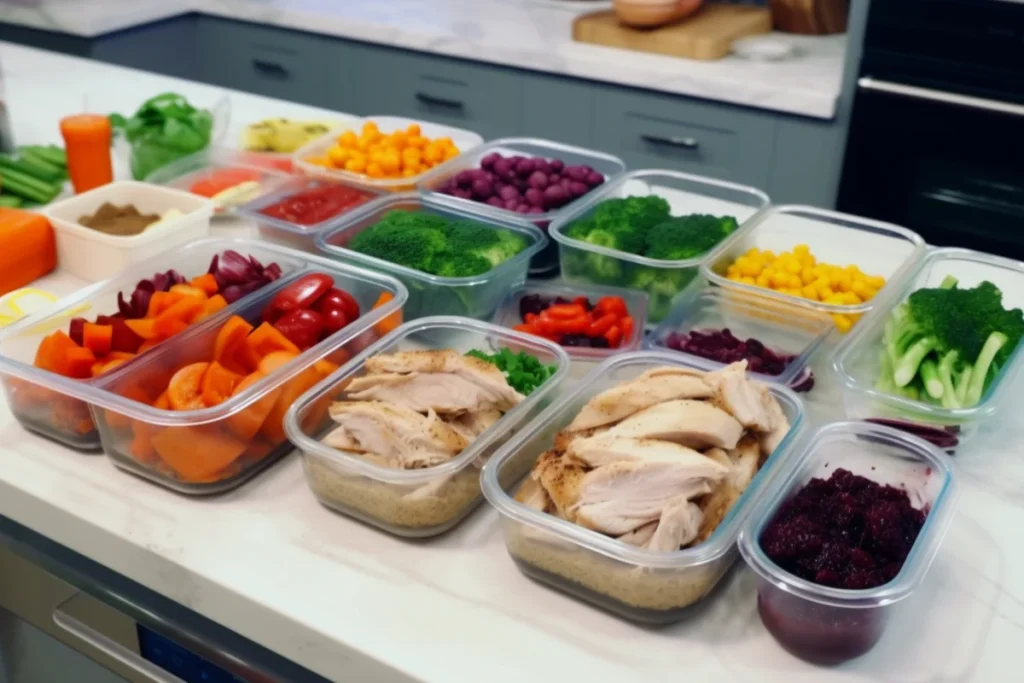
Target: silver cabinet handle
<point>671,141</point>
<point>435,101</point>
<point>271,69</point>
<point>956,99</point>
<point>111,648</point>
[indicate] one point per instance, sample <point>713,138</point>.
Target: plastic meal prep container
<point>147,441</point>
<point>474,297</point>
<point>857,360</point>
<point>293,234</point>
<point>187,171</point>
<point>831,625</point>
<point>423,502</point>
<point>92,255</point>
<point>57,407</point>
<point>877,248</point>
<point>638,584</point>
<point>465,140</point>
<point>582,262</point>
<point>781,327</point>
<point>605,164</point>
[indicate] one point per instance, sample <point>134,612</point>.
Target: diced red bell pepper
<point>565,311</point>
<point>614,337</point>
<point>612,304</point>
<point>627,327</point>
<point>601,325</point>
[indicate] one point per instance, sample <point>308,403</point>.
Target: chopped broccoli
<point>687,237</point>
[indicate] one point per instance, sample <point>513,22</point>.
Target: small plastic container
<point>856,362</point>
<point>782,328</point>
<point>473,297</point>
<point>545,262</point>
<point>92,255</point>
<point>293,234</point>
<point>635,583</point>
<point>831,625</point>
<point>586,263</point>
<point>424,502</point>
<point>57,407</point>
<point>465,140</point>
<point>168,447</point>
<point>877,248</point>
<point>187,171</point>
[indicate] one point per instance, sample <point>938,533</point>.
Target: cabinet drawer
<point>652,131</point>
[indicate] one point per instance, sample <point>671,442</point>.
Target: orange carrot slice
<point>143,327</point>
<point>189,291</point>
<point>218,384</point>
<point>213,304</point>
<point>184,390</point>
<point>274,360</point>
<point>246,423</point>
<point>97,338</point>
<point>207,283</point>
<point>52,351</point>
<point>390,322</point>
<point>178,317</point>
<point>231,335</point>
<point>160,302</point>
<point>78,363</point>
<point>266,339</point>
<point>197,454</point>
<point>273,427</point>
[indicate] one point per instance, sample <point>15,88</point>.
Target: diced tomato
<point>317,205</point>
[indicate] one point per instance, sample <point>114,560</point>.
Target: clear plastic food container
<point>877,248</point>
<point>605,164</point>
<point>831,625</point>
<point>638,584</point>
<point>465,140</point>
<point>585,263</point>
<point>215,449</point>
<point>293,234</point>
<point>473,297</point>
<point>781,327</point>
<point>57,407</point>
<point>856,363</point>
<point>92,255</point>
<point>184,173</point>
<point>424,502</point>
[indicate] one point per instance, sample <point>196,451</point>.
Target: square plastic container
<point>605,164</point>
<point>187,171</point>
<point>293,234</point>
<point>635,583</point>
<point>831,625</point>
<point>465,140</point>
<point>473,297</point>
<point>424,502</point>
<point>585,263</point>
<point>857,360</point>
<point>92,255</point>
<point>877,248</point>
<point>782,328</point>
<point>215,449</point>
<point>57,407</point>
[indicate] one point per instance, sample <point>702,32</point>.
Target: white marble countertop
<point>532,34</point>
<point>352,603</point>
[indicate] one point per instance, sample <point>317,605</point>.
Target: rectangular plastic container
<point>857,360</point>
<point>464,140</point>
<point>585,263</point>
<point>297,236</point>
<point>424,502</point>
<point>57,407</point>
<point>473,297</point>
<point>169,447</point>
<point>187,171</point>
<point>637,584</point>
<point>781,327</point>
<point>92,255</point>
<point>605,164</point>
<point>831,625</point>
<point>877,248</point>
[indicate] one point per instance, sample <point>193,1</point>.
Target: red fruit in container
<point>338,307</point>
<point>302,327</point>
<point>300,294</point>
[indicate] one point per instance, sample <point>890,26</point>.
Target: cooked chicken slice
<point>780,426</point>
<point>696,424</point>
<point>743,464</point>
<point>605,449</point>
<point>640,535</point>
<point>442,392</point>
<point>623,400</point>
<point>560,476</point>
<point>396,432</point>
<point>473,424</point>
<point>677,527</point>
<point>480,372</point>
<point>340,438</point>
<point>745,400</point>
<point>669,371</point>
<point>532,495</point>
<point>564,439</point>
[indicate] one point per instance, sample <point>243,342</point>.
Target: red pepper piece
<point>614,336</point>
<point>612,304</point>
<point>601,325</point>
<point>565,311</point>
<point>627,325</point>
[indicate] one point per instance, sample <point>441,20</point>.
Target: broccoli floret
<point>508,244</point>
<point>687,237</point>
<point>496,246</point>
<point>621,224</point>
<point>402,241</point>
<point>450,263</point>
<point>662,285</point>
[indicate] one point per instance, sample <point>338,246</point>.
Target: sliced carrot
<point>178,317</point>
<point>105,365</point>
<point>197,453</point>
<point>390,322</point>
<point>266,339</point>
<point>52,351</point>
<point>120,355</point>
<point>326,367</point>
<point>246,358</point>
<point>184,390</point>
<point>141,448</point>
<point>97,368</point>
<point>160,302</point>
<point>273,427</point>
<point>259,449</point>
<point>218,384</point>
<point>190,291</point>
<point>213,304</point>
<point>246,423</point>
<point>207,283</point>
<point>144,327</point>
<point>272,361</point>
<point>78,363</point>
<point>231,335</point>
<point>162,402</point>
<point>118,420</point>
<point>148,344</point>
<point>97,338</point>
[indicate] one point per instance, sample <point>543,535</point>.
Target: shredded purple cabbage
<point>137,305</point>
<point>237,275</point>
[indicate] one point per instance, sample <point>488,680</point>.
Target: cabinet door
<point>659,131</point>
<point>166,47</point>
<point>561,109</point>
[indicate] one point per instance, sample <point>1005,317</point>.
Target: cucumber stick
<point>23,185</point>
<point>55,155</point>
<point>10,201</point>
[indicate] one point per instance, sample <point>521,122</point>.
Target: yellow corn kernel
<point>751,268</point>
<point>732,270</point>
<point>769,255</point>
<point>851,299</point>
<point>841,281</point>
<point>780,279</point>
<point>794,282</point>
<point>801,249</point>
<point>807,275</point>
<point>763,280</point>
<point>735,278</point>
<point>809,292</point>
<point>875,282</point>
<point>861,289</point>
<point>836,299</point>
<point>826,293</point>
<point>843,323</point>
<point>794,267</point>
<point>747,280</point>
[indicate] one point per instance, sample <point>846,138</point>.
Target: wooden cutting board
<point>707,35</point>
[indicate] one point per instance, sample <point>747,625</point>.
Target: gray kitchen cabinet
<point>559,109</point>
<point>807,162</point>
<point>166,47</point>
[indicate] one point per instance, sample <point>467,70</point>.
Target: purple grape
<point>488,161</point>
<point>557,165</point>
<point>510,192</point>
<point>535,197</point>
<point>537,180</point>
<point>482,188</point>
<point>495,201</point>
<point>465,178</point>
<point>578,189</point>
<point>594,179</point>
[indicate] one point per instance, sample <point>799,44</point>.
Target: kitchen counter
<point>531,34</point>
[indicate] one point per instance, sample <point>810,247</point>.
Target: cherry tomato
<point>298,295</point>
<point>304,328</point>
<point>335,319</point>
<point>338,299</point>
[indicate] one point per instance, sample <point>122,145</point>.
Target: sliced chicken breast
<point>561,477</point>
<point>743,463</point>
<point>696,424</point>
<point>677,527</point>
<point>481,373</point>
<point>670,370</point>
<point>394,431</point>
<point>621,401</point>
<point>473,424</point>
<point>442,392</point>
<point>639,536</point>
<point>532,495</point>
<point>780,426</point>
<point>740,397</point>
<point>605,449</point>
<point>340,438</point>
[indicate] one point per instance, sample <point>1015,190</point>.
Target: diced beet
<point>123,338</point>
<point>77,330</point>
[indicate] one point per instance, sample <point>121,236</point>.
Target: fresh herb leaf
<point>523,372</point>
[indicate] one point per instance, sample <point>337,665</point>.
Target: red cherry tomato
<point>337,299</point>
<point>335,319</point>
<point>298,295</point>
<point>303,328</point>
